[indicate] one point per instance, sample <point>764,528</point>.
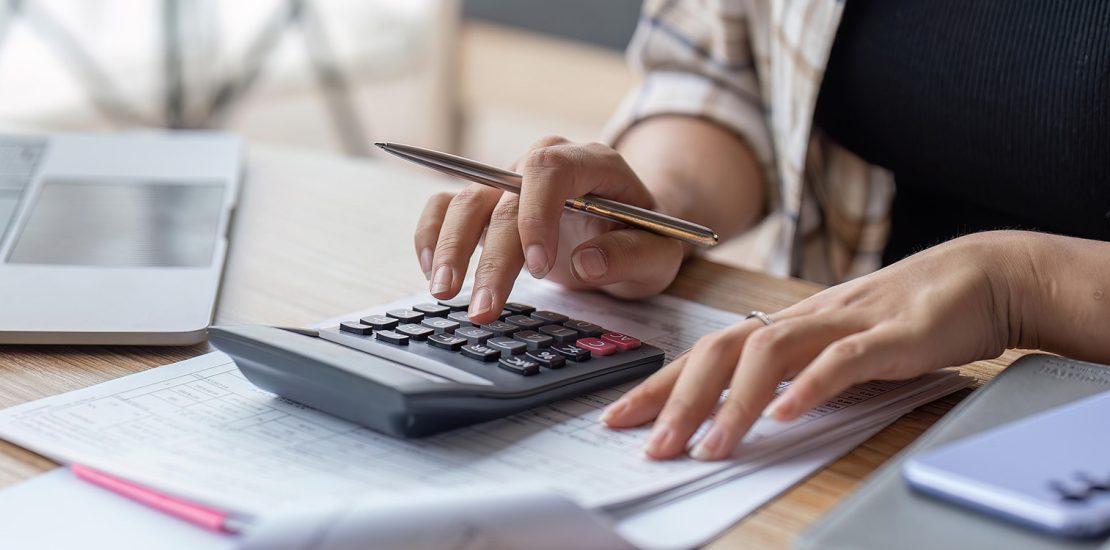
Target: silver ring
<point>763,317</point>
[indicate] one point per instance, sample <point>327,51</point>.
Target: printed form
<point>200,430</point>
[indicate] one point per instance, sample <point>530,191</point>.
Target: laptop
<point>114,238</point>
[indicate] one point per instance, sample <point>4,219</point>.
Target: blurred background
<point>481,78</point>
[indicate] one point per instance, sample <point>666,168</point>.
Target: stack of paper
<point>199,430</point>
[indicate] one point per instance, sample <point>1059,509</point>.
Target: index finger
<point>556,173</point>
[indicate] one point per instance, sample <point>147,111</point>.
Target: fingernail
<point>536,257</point>
<point>480,302</point>
<point>709,446</point>
<point>426,262</point>
<point>441,282</point>
<point>613,410</point>
<point>660,436</point>
<point>589,263</point>
<point>781,408</point>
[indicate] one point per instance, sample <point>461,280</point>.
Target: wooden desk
<point>317,235</point>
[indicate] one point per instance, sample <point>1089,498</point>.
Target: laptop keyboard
<point>19,159</point>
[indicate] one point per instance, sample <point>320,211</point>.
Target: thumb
<point>627,263</point>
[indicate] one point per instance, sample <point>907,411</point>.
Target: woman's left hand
<point>946,306</point>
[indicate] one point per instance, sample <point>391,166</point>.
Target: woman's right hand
<point>533,229</point>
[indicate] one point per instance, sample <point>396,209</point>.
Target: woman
<point>991,120</point>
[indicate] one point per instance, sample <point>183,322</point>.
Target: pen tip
<point>381,144</point>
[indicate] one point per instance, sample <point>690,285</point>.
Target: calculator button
<point>440,324</point>
<point>561,335</point>
<point>547,358</point>
<point>572,352</point>
<point>549,317</point>
<point>405,315</point>
<point>584,328</point>
<point>480,352</point>
<point>596,347</point>
<point>519,365</point>
<point>446,341</point>
<point>524,322</point>
<point>507,346</point>
<point>501,328</point>
<point>414,331</point>
<point>534,340</point>
<point>458,303</point>
<point>380,322</point>
<point>474,335</point>
<point>460,318</point>
<point>519,309</point>
<point>505,314</point>
<point>432,310</point>
<point>623,342</point>
<point>392,337</point>
<point>356,328</point>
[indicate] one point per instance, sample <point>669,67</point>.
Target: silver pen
<point>632,216</point>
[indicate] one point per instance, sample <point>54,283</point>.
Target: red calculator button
<point>596,346</point>
<point>623,342</point>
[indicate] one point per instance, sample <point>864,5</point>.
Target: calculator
<point>424,369</point>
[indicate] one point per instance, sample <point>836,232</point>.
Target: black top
<point>991,113</point>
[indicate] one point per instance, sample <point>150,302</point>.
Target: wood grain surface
<point>317,235</point>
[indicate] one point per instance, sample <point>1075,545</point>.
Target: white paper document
<point>96,518</point>
<point>198,429</point>
<point>695,519</point>
<point>57,510</point>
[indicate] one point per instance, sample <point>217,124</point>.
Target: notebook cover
<point>885,513</point>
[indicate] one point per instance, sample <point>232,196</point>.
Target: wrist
<point>1014,264</point>
<point>1058,287</point>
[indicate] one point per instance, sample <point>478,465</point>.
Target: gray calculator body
<point>412,390</point>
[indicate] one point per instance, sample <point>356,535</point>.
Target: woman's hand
<point>946,306</point>
<point>533,229</point>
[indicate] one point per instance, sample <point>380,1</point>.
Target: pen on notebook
<point>197,514</point>
<point>633,216</point>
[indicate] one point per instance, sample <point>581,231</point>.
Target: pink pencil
<point>197,514</point>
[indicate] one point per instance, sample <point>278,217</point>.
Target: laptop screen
<point>107,223</point>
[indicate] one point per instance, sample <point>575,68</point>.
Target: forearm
<point>1061,300</point>
<point>697,171</point>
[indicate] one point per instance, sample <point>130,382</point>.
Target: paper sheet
<point>198,429</point>
<point>876,417</point>
<point>677,522</point>
<point>478,519</point>
<point>695,519</point>
<point>95,518</point>
<point>57,510</point>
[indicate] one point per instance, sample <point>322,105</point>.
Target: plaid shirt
<point>755,67</point>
